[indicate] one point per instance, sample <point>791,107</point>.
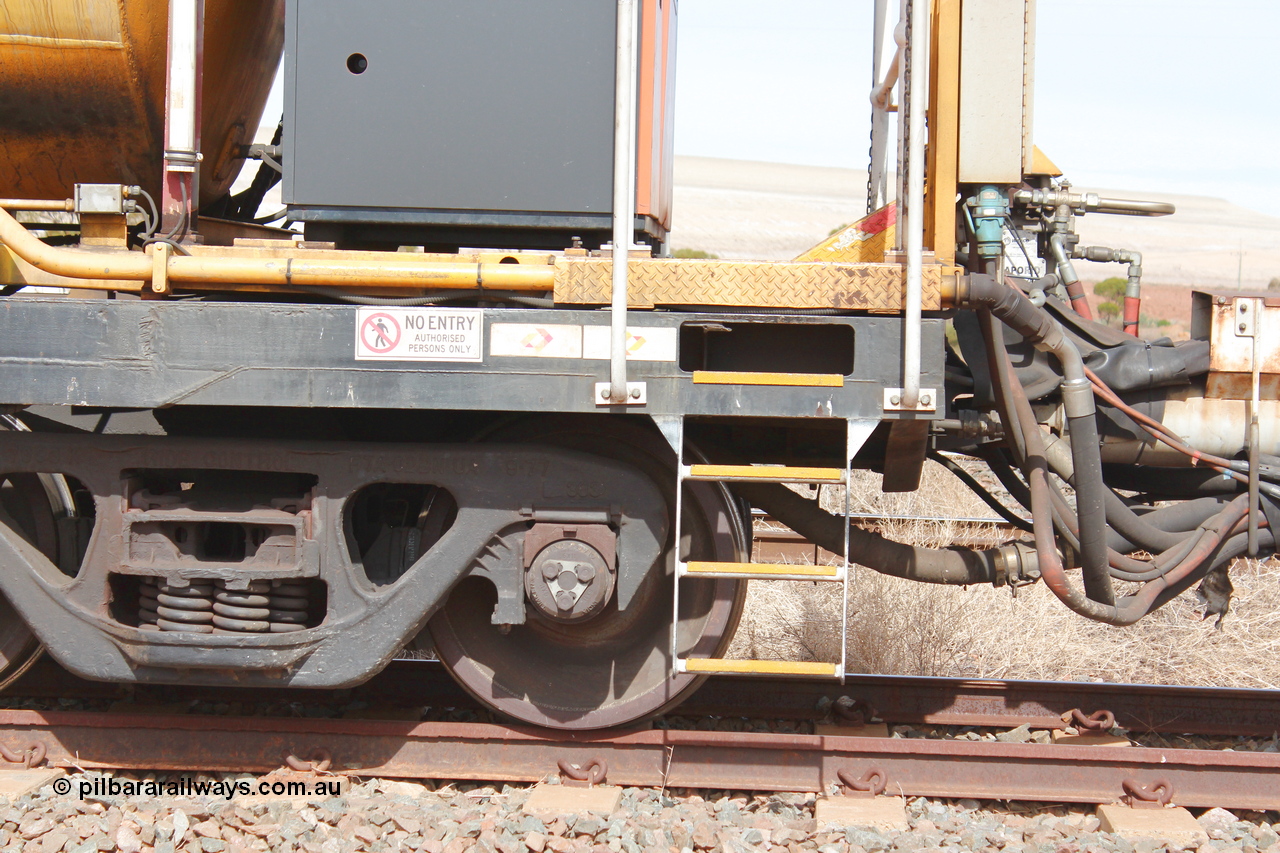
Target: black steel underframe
<point>140,354</point>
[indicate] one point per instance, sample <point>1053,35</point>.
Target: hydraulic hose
<point>1119,515</point>
<point>1204,541</point>
<point>1067,273</point>
<point>955,566</point>
<point>1133,286</point>
<point>1234,546</point>
<point>1015,310</point>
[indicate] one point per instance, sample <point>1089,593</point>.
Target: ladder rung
<point>738,377</point>
<point>766,473</point>
<point>763,571</point>
<point>722,666</point>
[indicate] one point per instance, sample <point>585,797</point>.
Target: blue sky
<point>1155,95</point>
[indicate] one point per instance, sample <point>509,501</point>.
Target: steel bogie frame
<point>497,488</point>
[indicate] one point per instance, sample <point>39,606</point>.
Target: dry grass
<point>901,627</point>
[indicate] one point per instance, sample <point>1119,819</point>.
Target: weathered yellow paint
<point>763,570</point>
<point>1042,165</point>
<point>766,473</point>
<point>863,242</point>
<point>731,377</point>
<point>873,287</point>
<point>944,132</point>
<point>762,667</point>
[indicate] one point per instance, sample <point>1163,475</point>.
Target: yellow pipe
<point>37,204</point>
<point>395,272</point>
<point>74,263</point>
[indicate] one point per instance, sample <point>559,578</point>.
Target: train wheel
<point>25,499</point>
<point>614,668</point>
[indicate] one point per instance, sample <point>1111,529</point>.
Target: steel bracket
<point>637,395</point>
<point>928,400</point>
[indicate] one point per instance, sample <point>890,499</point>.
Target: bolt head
<point>926,400</point>
<point>604,393</point>
<point>1244,307</point>
<point>635,393</point>
<point>564,600</point>
<point>895,400</point>
<point>1243,327</point>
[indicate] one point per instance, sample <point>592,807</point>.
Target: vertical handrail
<point>882,79</point>
<point>182,111</point>
<point>917,66</point>
<point>626,102</point>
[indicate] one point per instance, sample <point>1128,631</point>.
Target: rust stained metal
<point>773,762</point>
<point>82,94</point>
<point>897,699</point>
<point>1227,319</point>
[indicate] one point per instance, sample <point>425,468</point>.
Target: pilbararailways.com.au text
<point>106,786</point>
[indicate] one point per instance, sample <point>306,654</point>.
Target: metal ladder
<point>695,570</point>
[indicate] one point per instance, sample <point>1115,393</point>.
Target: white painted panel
<point>644,343</point>
<point>992,75</point>
<point>535,340</point>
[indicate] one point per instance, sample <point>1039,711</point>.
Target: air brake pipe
<point>1091,202</point>
<point>914,220</point>
<point>626,102</point>
<point>113,268</point>
<point>1133,288</point>
<point>956,566</point>
<point>1067,273</point>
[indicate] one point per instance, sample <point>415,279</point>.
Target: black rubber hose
<point>1179,518</point>
<point>1014,309</point>
<point>1169,483</point>
<point>955,566</point>
<point>979,490</point>
<point>1229,550</point>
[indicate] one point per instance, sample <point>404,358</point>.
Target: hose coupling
<point>1016,564</point>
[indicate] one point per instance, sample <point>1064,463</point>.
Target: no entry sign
<point>419,334</point>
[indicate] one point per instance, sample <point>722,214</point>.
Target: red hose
<point>1132,311</point>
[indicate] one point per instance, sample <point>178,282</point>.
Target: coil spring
<point>275,607</point>
<point>175,608</point>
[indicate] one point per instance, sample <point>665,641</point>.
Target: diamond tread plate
<point>852,287</point>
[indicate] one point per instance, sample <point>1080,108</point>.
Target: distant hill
<point>771,211</point>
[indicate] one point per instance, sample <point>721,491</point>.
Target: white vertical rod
<point>877,183</point>
<point>626,102</point>
<point>677,556</point>
<point>184,19</point>
<point>900,124</point>
<point>914,224</point>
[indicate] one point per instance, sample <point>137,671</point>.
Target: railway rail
<point>694,757</point>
